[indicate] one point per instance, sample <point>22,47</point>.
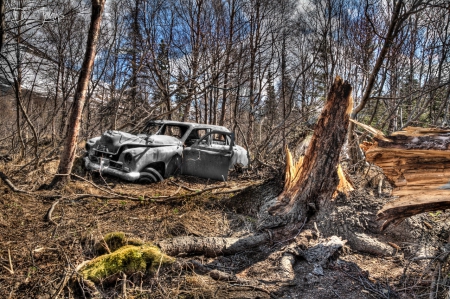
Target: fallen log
<point>417,162</point>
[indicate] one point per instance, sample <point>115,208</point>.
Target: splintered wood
<point>417,162</point>
<point>293,170</point>
<point>315,179</point>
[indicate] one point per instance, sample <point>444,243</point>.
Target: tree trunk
<point>318,177</point>
<point>2,24</point>
<point>68,154</point>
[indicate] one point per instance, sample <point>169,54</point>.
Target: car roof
<point>194,125</point>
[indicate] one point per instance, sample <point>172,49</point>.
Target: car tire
<point>150,175</point>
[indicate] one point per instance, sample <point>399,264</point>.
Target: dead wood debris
<point>417,162</point>
<point>111,195</point>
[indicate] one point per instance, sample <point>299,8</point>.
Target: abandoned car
<point>164,148</point>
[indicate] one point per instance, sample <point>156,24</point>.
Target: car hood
<point>111,141</point>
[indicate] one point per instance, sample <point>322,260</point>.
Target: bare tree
<point>68,154</point>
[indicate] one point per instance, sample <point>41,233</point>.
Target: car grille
<point>114,164</point>
<point>106,162</point>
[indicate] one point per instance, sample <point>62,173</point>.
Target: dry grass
<point>42,253</point>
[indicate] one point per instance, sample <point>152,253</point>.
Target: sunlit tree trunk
<point>70,146</point>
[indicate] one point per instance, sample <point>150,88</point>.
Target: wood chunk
<point>417,162</point>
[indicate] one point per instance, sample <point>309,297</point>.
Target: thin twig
<point>100,188</point>
<point>66,278</point>
<point>10,269</point>
<point>124,286</point>
<point>184,187</point>
<point>48,216</point>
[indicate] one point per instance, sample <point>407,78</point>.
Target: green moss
<point>113,240</point>
<point>128,259</point>
<point>135,242</point>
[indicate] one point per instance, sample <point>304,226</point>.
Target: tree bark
<point>213,246</point>
<point>318,178</point>
<point>2,24</point>
<point>68,154</point>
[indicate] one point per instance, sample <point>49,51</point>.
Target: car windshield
<point>151,129</point>
<point>173,130</point>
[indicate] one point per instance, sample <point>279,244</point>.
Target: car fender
<point>239,157</point>
<point>144,156</point>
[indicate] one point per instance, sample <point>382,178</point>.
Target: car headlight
<point>128,158</point>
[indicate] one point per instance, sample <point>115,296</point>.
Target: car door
<point>209,157</point>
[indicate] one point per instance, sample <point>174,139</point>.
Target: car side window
<point>195,136</point>
<point>219,139</point>
<point>216,140</point>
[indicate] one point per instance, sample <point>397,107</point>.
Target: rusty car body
<point>162,149</point>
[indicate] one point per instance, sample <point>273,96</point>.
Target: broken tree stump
<point>417,162</point>
<point>316,177</point>
<point>293,172</point>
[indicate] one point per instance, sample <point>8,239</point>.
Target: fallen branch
<point>97,186</point>
<point>239,189</point>
<point>184,187</point>
<point>5,179</point>
<point>48,216</point>
<point>396,211</point>
<point>197,192</point>
<point>211,246</point>
<point>124,286</point>
<point>156,199</point>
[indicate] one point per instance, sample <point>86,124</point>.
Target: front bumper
<point>128,176</point>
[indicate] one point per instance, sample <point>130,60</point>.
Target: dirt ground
<point>36,254</point>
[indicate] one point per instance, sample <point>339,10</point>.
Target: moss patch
<point>114,241</point>
<point>127,259</point>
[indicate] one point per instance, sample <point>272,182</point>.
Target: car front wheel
<point>150,175</point>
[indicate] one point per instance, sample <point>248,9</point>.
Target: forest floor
<point>36,254</point>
